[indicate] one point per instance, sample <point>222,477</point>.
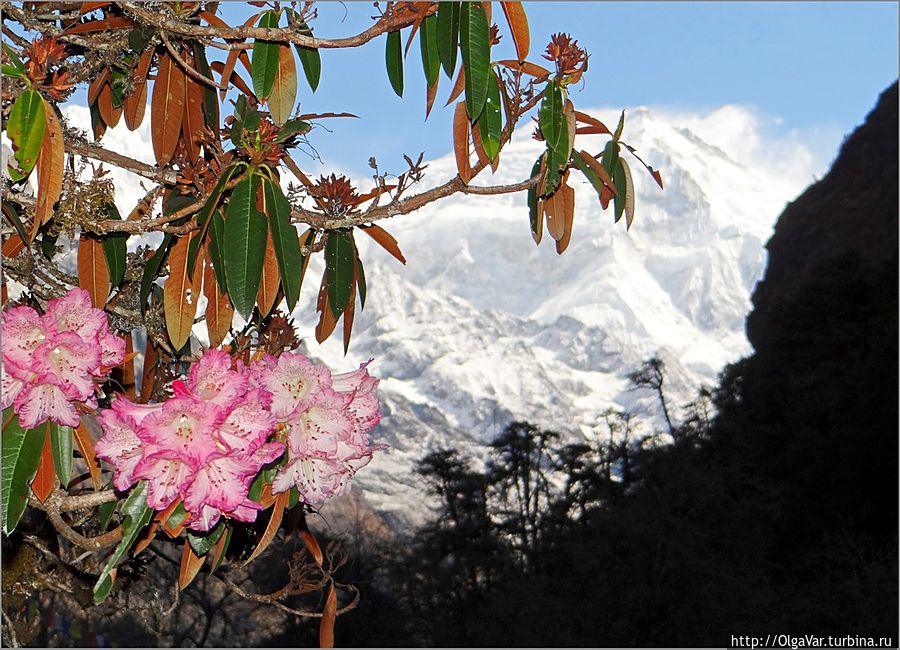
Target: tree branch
<point>96,152</point>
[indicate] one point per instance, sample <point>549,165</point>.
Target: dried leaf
<point>93,271</point>
<point>149,535</point>
<point>179,296</point>
<point>167,109</point>
<point>50,164</point>
<point>526,67</point>
<point>194,121</point>
<point>327,321</point>
<point>148,376</point>
<point>568,216</point>
<point>458,86</point>
<point>219,312</point>
<point>85,443</point>
<point>600,127</point>
<point>329,614</point>
<point>629,194</point>
<point>312,545</point>
<point>272,527</point>
<point>113,22</point>
<point>190,566</point>
<point>461,142</point>
<point>385,240</point>
<point>45,480</point>
<point>284,91</point>
<point>269,280</point>
<point>518,25</point>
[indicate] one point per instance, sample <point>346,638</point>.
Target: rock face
<point>821,391</point>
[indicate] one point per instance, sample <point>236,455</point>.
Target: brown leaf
<point>13,246</point>
<point>480,153</point>
<point>50,164</point>
<point>568,217</point>
<point>284,91</point>
<point>136,103</point>
<point>329,614</point>
<point>349,310</point>
<point>179,297</point>
<point>326,323</point>
<point>190,566</point>
<point>518,25</point>
<point>272,527</point>
<point>555,207</point>
<point>125,373</point>
<point>85,443</point>
<point>461,142</point>
<point>167,109</point>
<point>385,240</point>
<point>45,479</point>
<point>234,78</point>
<point>93,272</point>
<point>269,281</point>
<point>219,311</point>
<point>602,174</point>
<point>312,545</point>
<point>146,537</point>
<point>148,376</point>
<point>194,122</point>
<point>600,127</point>
<point>569,115</point>
<point>113,22</point>
<point>88,7</point>
<point>430,94</point>
<point>218,550</point>
<point>109,114</point>
<point>629,195</point>
<point>458,86</point>
<point>526,67</point>
<point>96,85</point>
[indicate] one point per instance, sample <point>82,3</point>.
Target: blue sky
<point>813,67</point>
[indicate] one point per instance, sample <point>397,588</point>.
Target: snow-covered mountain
<point>482,327</point>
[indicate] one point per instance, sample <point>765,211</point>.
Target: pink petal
<point>166,479</point>
<point>348,382</point>
<point>293,381</point>
<point>246,511</point>
<point>212,378</point>
<point>41,402</point>
<point>10,386</point>
<point>112,350</point>
<point>22,333</point>
<point>119,446</point>
<point>318,428</point>
<point>184,427</point>
<point>204,520</point>
<point>137,412</point>
<point>249,423</point>
<point>69,361</point>
<point>315,478</point>
<point>73,312</point>
<point>222,482</point>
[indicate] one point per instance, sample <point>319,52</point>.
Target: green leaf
<point>137,515</point>
<point>201,544</point>
<point>217,248</point>
<point>25,127</point>
<point>139,38</point>
<point>61,448</point>
<point>589,173</point>
<point>393,57</point>
<point>555,161</point>
<point>210,101</point>
<point>244,246</point>
<point>106,511</point>
<point>448,35</point>
<point>340,256</point>
<point>309,56</point>
<point>151,268</point>
<point>293,498</point>
<point>203,216</point>
<point>177,516</point>
<point>490,124</point>
<point>115,248</point>
<point>12,216</point>
<point>428,42</point>
<point>292,128</point>
<point>534,216</point>
<point>13,57</point>
<point>265,476</point>
<point>265,58</point>
<point>620,127</point>
<point>610,160</point>
<point>48,245</point>
<point>621,183</point>
<point>11,71</point>
<point>475,43</point>
<point>552,121</point>
<point>284,240</point>
<point>21,451</point>
<point>117,82</point>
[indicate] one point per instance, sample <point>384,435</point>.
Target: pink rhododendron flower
<point>55,361</point>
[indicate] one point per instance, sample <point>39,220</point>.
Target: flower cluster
<point>53,363</point>
<point>207,443</point>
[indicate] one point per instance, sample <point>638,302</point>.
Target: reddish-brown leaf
<point>350,310</point>
<point>312,545</point>
<point>148,376</point>
<point>458,86</point>
<point>600,127</point>
<point>194,123</point>
<point>269,281</point>
<point>430,94</point>
<point>113,22</point>
<point>531,69</point>
<point>146,537</point>
<point>13,246</point>
<point>326,323</point>
<point>88,7</point>
<point>602,174</point>
<point>45,479</point>
<point>568,216</point>
<point>518,25</point>
<point>93,272</point>
<point>218,550</point>
<point>96,85</point>
<point>179,296</point>
<point>234,78</point>
<point>272,527</point>
<point>49,165</point>
<point>190,566</point>
<point>85,443</point>
<point>167,109</point>
<point>480,153</point>
<point>461,142</point>
<point>486,5</point>
<point>136,103</point>
<point>629,195</point>
<point>385,240</point>
<point>329,614</point>
<point>322,116</point>
<point>128,381</point>
<point>219,311</point>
